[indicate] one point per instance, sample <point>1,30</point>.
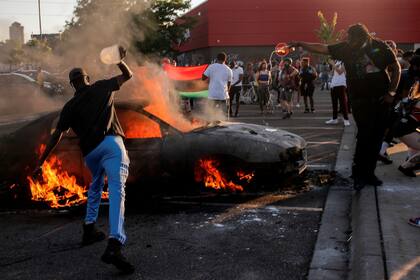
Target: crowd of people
<point>289,79</point>
<point>366,76</point>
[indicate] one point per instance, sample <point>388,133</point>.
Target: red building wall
<point>267,22</point>
<point>199,35</point>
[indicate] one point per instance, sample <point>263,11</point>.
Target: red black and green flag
<point>188,80</point>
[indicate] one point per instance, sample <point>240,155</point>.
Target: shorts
<point>286,94</point>
<point>307,89</point>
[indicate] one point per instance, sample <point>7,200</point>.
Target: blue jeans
<point>108,158</point>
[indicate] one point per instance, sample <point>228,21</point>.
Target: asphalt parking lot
<point>265,235</point>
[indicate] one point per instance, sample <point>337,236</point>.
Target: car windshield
<point>136,125</point>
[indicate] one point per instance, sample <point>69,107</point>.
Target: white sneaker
<point>346,122</point>
<point>332,121</point>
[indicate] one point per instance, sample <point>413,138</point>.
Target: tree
<point>326,32</point>
<point>168,27</point>
<point>37,51</point>
<point>16,56</point>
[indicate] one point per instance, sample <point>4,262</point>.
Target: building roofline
<point>192,9</point>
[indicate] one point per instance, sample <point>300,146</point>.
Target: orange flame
<point>207,171</point>
<point>57,188</point>
<point>138,126</point>
<point>155,84</point>
<point>245,176</point>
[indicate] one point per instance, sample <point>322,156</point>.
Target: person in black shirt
<point>91,115</point>
<point>371,90</point>
<point>307,75</point>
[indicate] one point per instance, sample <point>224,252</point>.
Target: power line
<point>103,2</point>
<point>46,2</point>
<point>32,14</point>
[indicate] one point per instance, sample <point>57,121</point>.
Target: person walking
<point>263,78</point>
<point>307,75</point>
<point>40,77</point>
<point>325,75</point>
<point>220,79</point>
<point>371,90</point>
<point>288,86</point>
<point>92,116</point>
<point>297,65</point>
<point>338,92</point>
<point>275,71</point>
<point>236,88</point>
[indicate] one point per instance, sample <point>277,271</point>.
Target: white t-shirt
<point>237,71</point>
<point>339,79</point>
<point>219,75</point>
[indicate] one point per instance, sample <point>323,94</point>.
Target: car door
<point>70,156</point>
<point>143,142</point>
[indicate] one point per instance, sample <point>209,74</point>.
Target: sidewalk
<point>384,246</point>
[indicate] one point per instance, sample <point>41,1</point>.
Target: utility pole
<point>39,17</point>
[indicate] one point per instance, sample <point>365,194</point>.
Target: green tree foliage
<point>327,31</point>
<point>168,26</point>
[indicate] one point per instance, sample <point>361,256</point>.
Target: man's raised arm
<point>126,72</point>
<point>311,47</point>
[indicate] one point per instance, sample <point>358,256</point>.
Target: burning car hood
<point>248,142</point>
<point>254,132</point>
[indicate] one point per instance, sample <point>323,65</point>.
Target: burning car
<point>222,155</point>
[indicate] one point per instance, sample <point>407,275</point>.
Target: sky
<point>54,14</point>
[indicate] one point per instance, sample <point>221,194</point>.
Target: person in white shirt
<point>235,89</point>
<point>338,92</point>
<point>220,79</point>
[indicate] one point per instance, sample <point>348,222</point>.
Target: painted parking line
<point>309,128</point>
<point>323,142</point>
<point>279,118</point>
<point>253,206</point>
<point>320,166</point>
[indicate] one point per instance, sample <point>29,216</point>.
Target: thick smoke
<point>98,25</point>
<point>19,97</point>
<point>102,24</point>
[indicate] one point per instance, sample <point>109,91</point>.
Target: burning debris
<point>56,187</point>
<point>208,171</point>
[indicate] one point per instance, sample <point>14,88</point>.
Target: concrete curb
<point>330,259</point>
<point>366,261</point>
<point>366,258</point>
